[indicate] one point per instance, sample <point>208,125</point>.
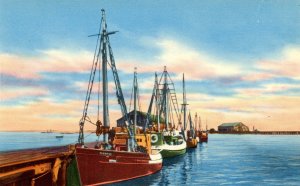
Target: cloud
<point>46,114</point>
<point>83,86</point>
<point>265,112</point>
<point>286,65</point>
<point>29,67</point>
<point>180,58</point>
<point>253,92</point>
<point>269,88</point>
<point>9,93</point>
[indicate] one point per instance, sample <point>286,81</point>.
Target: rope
<point>33,179</point>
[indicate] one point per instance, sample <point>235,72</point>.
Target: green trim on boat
<point>72,174</point>
<point>171,153</point>
<point>157,139</point>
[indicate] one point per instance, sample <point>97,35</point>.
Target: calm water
<point>233,160</point>
<point>224,160</point>
<point>25,140</point>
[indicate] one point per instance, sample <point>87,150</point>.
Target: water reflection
<point>232,160</point>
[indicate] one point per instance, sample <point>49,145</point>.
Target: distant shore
<point>45,131</point>
<point>261,132</point>
<point>215,132</point>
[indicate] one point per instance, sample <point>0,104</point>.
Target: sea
<point>224,160</point>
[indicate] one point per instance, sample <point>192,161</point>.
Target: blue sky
<point>233,50</point>
<point>251,29</point>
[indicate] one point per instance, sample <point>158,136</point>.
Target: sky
<point>241,59</point>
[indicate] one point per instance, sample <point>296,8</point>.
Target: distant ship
<point>48,131</point>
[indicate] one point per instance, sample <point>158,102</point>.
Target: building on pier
<point>233,127</point>
<point>141,119</point>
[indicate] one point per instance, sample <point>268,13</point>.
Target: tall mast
<point>196,122</point>
<point>166,101</point>
<point>167,98</point>
<point>157,102</point>
<point>200,122</point>
<point>184,104</point>
<point>104,74</point>
<point>105,50</point>
<point>135,87</point>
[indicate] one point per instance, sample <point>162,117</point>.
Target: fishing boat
<point>164,136</point>
<point>197,127</point>
<point>114,159</point>
<point>190,134</point>
<point>202,136</point>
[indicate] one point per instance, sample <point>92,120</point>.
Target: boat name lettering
<point>105,153</point>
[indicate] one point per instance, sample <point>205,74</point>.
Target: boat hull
<point>97,167</point>
<point>171,153</point>
<point>168,151</point>
<point>191,143</point>
<point>203,139</point>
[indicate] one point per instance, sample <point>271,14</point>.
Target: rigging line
<point>86,99</point>
<point>72,143</point>
<point>119,92</point>
<point>99,85</point>
<point>171,111</point>
<point>171,115</point>
<point>91,122</point>
<point>88,135</point>
<point>138,95</point>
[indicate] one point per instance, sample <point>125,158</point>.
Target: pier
<point>278,132</point>
<point>261,132</point>
<point>42,166</point>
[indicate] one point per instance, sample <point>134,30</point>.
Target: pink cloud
<point>257,76</point>
<point>29,67</point>
<point>11,93</point>
<point>46,114</point>
<point>287,65</point>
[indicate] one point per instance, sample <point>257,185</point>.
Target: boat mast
<point>120,97</point>
<point>166,102</point>
<point>200,122</point>
<point>192,129</point>
<point>135,87</point>
<point>196,122</point>
<point>157,102</point>
<point>105,50</point>
<point>184,104</point>
<point>104,39</point>
<point>167,95</point>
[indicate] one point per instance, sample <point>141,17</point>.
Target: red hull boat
<point>116,159</point>
<point>204,138</point>
<point>97,167</point>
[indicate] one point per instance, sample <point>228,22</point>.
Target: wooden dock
<point>279,132</point>
<point>42,166</point>
<point>262,132</point>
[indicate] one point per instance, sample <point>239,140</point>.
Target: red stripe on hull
<point>98,167</point>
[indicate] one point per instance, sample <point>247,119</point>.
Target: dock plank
<point>30,155</point>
